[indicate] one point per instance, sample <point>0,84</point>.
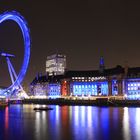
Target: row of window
<point>133,84</point>
<point>90,78</point>
<point>99,88</point>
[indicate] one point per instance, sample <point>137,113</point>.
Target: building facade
<point>56,64</point>
<point>108,82</point>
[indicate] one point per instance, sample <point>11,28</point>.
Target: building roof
<point>45,79</point>
<point>68,74</point>
<point>133,72</point>
<point>92,73</point>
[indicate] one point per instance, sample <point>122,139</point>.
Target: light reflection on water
<point>70,123</point>
<point>137,123</point>
<point>126,129</point>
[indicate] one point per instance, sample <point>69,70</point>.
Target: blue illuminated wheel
<point>16,17</point>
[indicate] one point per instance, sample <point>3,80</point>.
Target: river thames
<point>21,122</point>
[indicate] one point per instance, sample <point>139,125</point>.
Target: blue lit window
<point>114,87</point>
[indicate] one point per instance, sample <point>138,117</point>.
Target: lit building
<point>107,82</point>
<point>48,86</point>
<point>56,64</point>
<point>54,90</point>
<point>116,81</point>
<point>39,86</point>
<point>40,90</point>
<point>82,83</point>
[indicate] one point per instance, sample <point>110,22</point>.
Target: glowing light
<point>16,17</point>
<point>125,95</point>
<point>54,97</point>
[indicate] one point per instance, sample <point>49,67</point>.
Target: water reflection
<point>40,124</point>
<point>70,122</point>
<point>137,128</point>
<point>6,118</point>
<point>126,124</point>
<point>6,122</point>
<point>131,123</point>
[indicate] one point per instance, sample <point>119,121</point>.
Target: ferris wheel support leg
<point>9,69</point>
<point>14,73</point>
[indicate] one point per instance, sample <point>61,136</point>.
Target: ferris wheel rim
<point>21,22</point>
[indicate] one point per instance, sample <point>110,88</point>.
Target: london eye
<point>16,79</point>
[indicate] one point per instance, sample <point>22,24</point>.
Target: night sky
<point>84,30</point>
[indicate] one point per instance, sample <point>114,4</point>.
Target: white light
<point>125,95</point>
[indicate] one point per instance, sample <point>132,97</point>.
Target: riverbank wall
<point>97,102</point>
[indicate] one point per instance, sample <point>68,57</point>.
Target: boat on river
<point>43,108</point>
